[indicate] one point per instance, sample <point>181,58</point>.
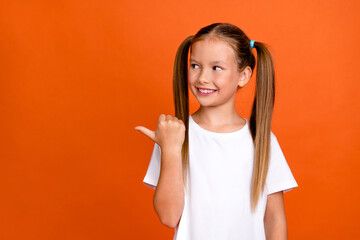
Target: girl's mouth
<point>205,92</point>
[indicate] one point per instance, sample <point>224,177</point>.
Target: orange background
<point>77,76</point>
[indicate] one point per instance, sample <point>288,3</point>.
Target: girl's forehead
<point>213,49</point>
<point>211,42</point>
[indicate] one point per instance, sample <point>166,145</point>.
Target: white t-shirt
<point>217,203</point>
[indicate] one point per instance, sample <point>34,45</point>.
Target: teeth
<point>206,91</point>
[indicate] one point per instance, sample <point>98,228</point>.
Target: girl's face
<point>213,67</point>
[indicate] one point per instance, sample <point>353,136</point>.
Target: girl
<point>216,174</point>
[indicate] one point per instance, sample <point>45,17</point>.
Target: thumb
<point>147,132</point>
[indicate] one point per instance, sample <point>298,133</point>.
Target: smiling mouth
<point>206,91</point>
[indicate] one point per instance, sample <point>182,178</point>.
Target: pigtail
<point>181,98</point>
<point>260,120</point>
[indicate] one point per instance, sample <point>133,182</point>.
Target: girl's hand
<point>169,134</point>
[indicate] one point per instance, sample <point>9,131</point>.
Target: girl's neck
<point>213,118</point>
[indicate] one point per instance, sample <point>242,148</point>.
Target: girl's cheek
<point>192,77</point>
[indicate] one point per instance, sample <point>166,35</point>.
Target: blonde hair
<point>262,109</point>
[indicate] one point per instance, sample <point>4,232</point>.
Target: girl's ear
<point>245,76</point>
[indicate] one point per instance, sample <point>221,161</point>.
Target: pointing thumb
<point>147,132</point>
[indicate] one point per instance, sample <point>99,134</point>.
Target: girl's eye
<point>217,67</point>
<point>193,65</point>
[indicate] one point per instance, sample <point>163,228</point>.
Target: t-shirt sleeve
<point>153,172</point>
<point>280,177</point>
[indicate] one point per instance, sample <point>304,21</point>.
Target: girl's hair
<point>261,114</point>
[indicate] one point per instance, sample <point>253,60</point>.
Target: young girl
<point>216,174</point>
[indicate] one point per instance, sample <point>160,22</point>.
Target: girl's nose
<point>203,78</point>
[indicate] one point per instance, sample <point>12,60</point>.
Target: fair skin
<point>168,199</point>
<point>212,66</point>
<point>274,219</point>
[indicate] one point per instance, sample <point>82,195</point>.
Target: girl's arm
<point>169,194</point>
<point>274,218</point>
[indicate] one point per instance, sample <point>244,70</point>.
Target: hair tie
<point>252,43</point>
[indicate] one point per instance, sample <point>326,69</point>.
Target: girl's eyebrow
<point>218,61</point>
<point>214,62</point>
